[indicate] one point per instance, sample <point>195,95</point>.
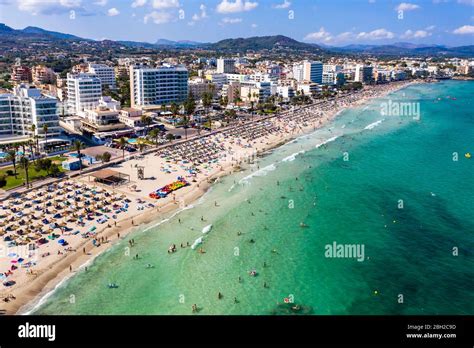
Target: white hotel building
<point>105,73</point>
<point>25,107</point>
<point>158,86</point>
<point>84,91</point>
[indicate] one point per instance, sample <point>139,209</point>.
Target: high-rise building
<point>105,73</point>
<point>20,74</point>
<point>42,74</point>
<point>298,72</point>
<point>83,91</point>
<point>225,66</point>
<point>313,71</point>
<point>363,73</point>
<point>25,107</point>
<point>158,86</point>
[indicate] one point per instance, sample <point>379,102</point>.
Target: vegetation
<point>123,142</point>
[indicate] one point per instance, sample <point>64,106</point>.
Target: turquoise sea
<point>387,183</point>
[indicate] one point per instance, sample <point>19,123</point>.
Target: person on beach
<point>70,268</point>
<point>194,308</point>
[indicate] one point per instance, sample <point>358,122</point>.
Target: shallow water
<point>344,183</point>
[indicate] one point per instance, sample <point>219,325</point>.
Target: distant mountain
<point>55,34</point>
<point>34,33</point>
<point>181,43</point>
<point>5,29</point>
<point>10,38</point>
<point>263,42</point>
<point>405,49</point>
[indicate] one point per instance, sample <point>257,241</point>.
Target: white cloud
<point>113,12</point>
<point>163,4</point>
<point>138,3</point>
<point>283,5</point>
<point>418,34</point>
<point>229,6</point>
<point>464,30</point>
<point>158,17</point>
<point>406,6</point>
<point>431,27</point>
<point>48,6</point>
<point>254,25</point>
<point>202,15</point>
<point>318,36</point>
<point>101,2</point>
<point>377,34</point>
<point>227,20</point>
<point>345,36</point>
<point>466,2</point>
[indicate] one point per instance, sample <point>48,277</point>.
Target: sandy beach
<point>69,209</point>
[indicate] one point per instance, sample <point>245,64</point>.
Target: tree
<point>141,144</point>
<point>77,146</point>
<point>35,137</point>
<point>154,133</point>
<point>55,171</point>
<point>43,164</point>
<point>174,108</point>
<point>45,130</point>
<point>189,106</point>
<point>146,120</point>
<point>106,156</point>
<point>170,137</point>
<point>25,163</point>
<point>123,142</point>
<point>11,157</point>
<point>3,180</point>
<point>207,102</point>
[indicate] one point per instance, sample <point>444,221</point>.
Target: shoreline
<point>31,295</point>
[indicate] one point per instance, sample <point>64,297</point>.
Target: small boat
<point>112,286</point>
<point>149,265</point>
<point>253,273</point>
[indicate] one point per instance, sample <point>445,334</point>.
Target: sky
<point>327,22</point>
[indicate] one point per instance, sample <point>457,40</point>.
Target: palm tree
<point>11,157</point>
<point>154,133</point>
<point>174,109</point>
<point>141,144</point>
<point>31,144</point>
<point>35,138</point>
<point>45,130</point>
<point>24,163</point>
<point>148,122</point>
<point>185,125</point>
<point>123,142</point>
<point>207,102</point>
<point>77,146</point>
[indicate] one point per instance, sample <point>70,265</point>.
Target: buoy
<point>376,292</point>
<point>467,155</point>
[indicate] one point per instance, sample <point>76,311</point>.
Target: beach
<point>200,162</point>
